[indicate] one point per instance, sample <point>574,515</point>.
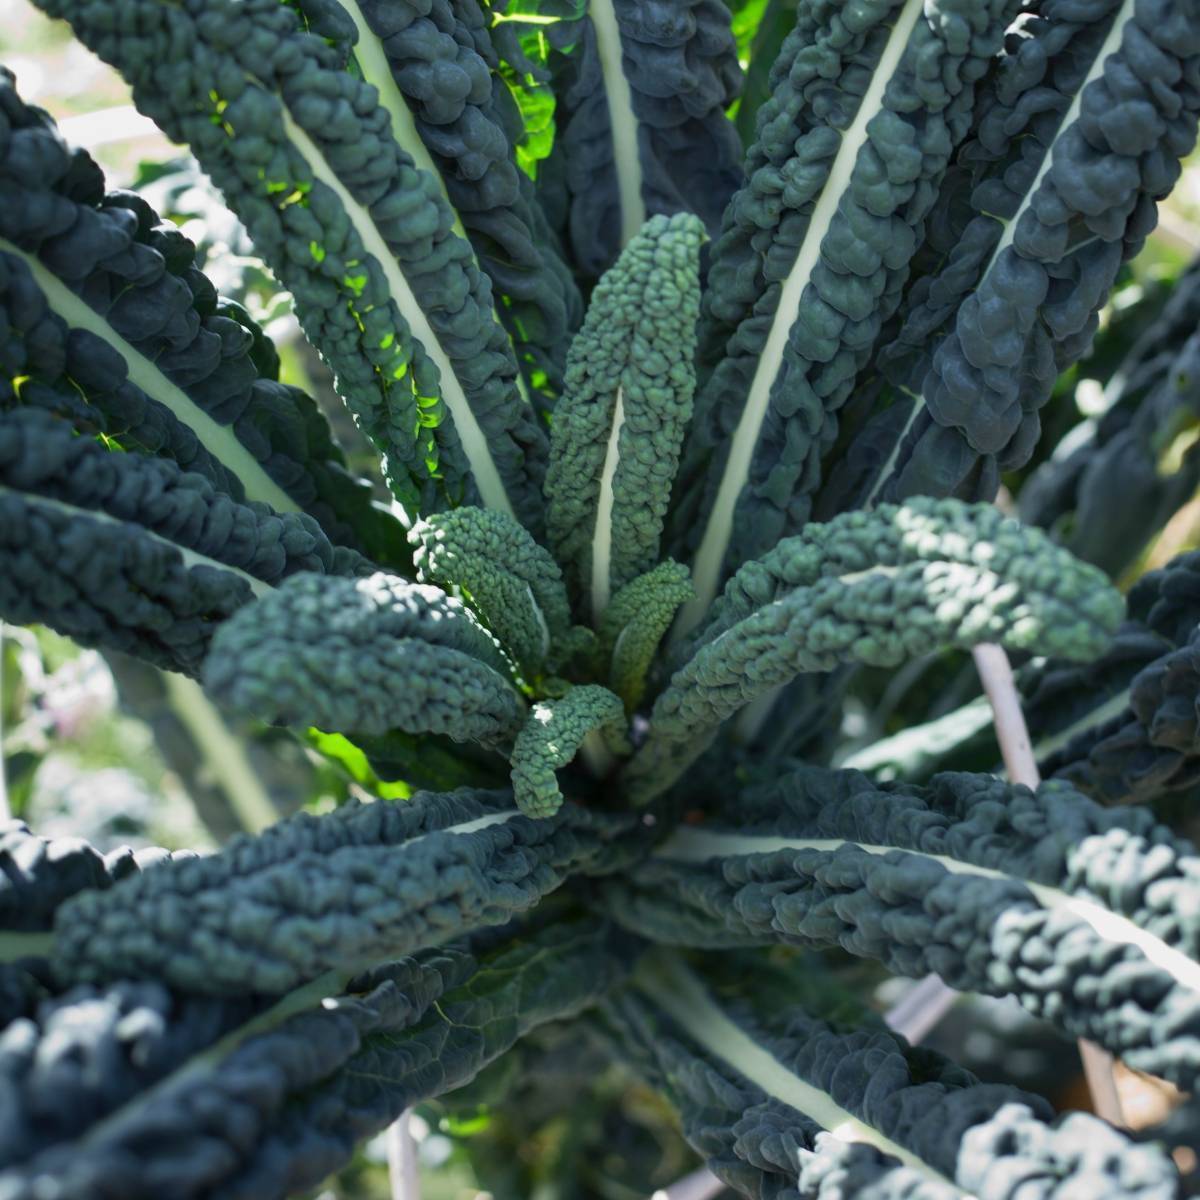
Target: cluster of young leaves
<point>621,544</point>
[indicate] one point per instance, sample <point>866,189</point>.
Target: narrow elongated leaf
<point>110,321</point>
<point>49,365</point>
<point>625,407</point>
<point>40,873</point>
<point>511,582</point>
<point>1072,707</point>
<point>206,1095</point>
<point>1151,403</point>
<point>938,196</point>
<point>551,737</point>
<point>874,588</point>
<point>813,252</point>
<point>365,656</point>
<point>1118,727</point>
<point>363,884</point>
<point>432,65</point>
<point>130,553</point>
<point>782,1105</point>
<point>1087,915</point>
<point>1076,142</point>
<point>925,531</point>
<point>1145,743</point>
<point>634,625</point>
<point>640,94</point>
<point>46,461</point>
<point>304,154</point>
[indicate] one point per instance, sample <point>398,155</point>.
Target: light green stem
<point>474,441</point>
<point>15,945</point>
<point>709,564</point>
<point>681,995</point>
<point>224,754</point>
<point>627,162</point>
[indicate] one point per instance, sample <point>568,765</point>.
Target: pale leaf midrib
<point>698,845</point>
<point>1108,47</point>
<point>627,163</point>
<point>952,729</point>
<point>191,558</point>
<point>678,993</point>
<point>377,71</point>
<point>1096,716</point>
<point>710,557</point>
<point>219,440</point>
<point>940,731</point>
<point>749,722</point>
<point>605,504</point>
<point>320,991</point>
<point>224,753</point>
<point>471,436</point>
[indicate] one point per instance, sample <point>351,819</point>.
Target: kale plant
<point>683,448</point>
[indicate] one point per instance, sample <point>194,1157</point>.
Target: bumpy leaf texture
<point>337,892</point>
<point>875,588</point>
<point>393,299</point>
<point>551,737</point>
<point>919,226</point>
<point>40,873</point>
<point>131,553</point>
<point>200,1097</point>
<point>640,90</point>
<point>1150,746</point>
<point>1152,400</point>
<point>366,656</point>
<point>625,408</point>
<point>512,583</point>
<point>433,65</point>
<point>634,623</point>
<point>812,257</point>
<point>1076,910</point>
<point>1118,728</point>
<point>109,321</point>
<point>1078,134</point>
<point>783,1105</point>
<point>1075,707</point>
